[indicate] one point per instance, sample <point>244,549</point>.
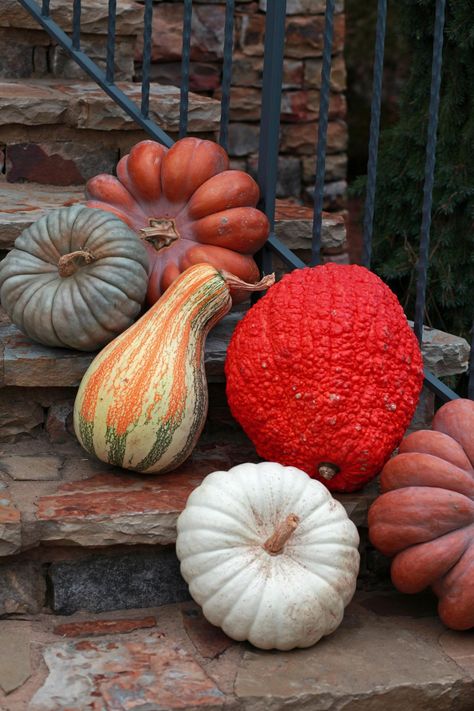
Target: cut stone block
<point>29,364</point>
<point>22,588</point>
<point>294,226</point>
<point>10,523</point>
<point>15,665</point>
<point>125,674</point>
<point>117,582</point>
<point>21,204</point>
<point>94,16</point>
<point>39,468</point>
<point>84,105</point>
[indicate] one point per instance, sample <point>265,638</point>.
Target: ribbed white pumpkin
<point>269,555</point>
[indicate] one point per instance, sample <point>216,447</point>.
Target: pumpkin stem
<point>69,263</point>
<point>327,470</point>
<point>161,232</point>
<point>233,282</point>
<point>281,534</point>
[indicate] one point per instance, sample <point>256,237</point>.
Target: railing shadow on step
<point>274,42</point>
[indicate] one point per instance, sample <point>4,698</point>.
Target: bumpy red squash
<point>425,517</point>
<point>189,207</point>
<point>324,374</point>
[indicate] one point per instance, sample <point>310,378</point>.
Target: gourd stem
<point>327,470</point>
<point>69,263</point>
<point>160,233</point>
<point>233,282</point>
<point>281,534</point>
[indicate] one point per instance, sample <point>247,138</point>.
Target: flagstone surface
<point>390,653</point>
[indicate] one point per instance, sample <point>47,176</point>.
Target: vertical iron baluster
<point>422,266</point>
<point>110,66</point>
<point>226,72</point>
<point>147,31</point>
<point>374,132</point>
<point>270,116</point>
<point>45,8</point>
<point>322,133</point>
<point>470,387</point>
<point>183,104</point>
<point>76,24</point>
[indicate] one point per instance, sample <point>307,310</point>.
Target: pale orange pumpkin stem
<point>161,232</point>
<point>234,282</point>
<point>281,534</point>
<point>69,263</point>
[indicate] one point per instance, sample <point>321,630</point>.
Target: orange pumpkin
<point>189,208</point>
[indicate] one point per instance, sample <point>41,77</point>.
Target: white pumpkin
<point>268,554</point>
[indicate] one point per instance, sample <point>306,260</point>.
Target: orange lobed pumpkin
<point>425,517</point>
<point>189,208</point>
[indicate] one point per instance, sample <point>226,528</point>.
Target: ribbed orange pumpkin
<point>189,207</point>
<point>425,517</point>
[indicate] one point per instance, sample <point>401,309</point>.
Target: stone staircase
<point>96,544</point>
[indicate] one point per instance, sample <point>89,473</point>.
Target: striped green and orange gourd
<point>143,401</point>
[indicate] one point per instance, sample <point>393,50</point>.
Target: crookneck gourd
<point>425,515</point>
<point>269,555</point>
<point>189,208</point>
<point>324,373</point>
<point>142,403</point>
<point>75,278</point>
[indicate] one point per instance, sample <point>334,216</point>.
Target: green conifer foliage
<point>450,293</point>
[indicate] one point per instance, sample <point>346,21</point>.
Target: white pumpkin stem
<point>161,232</point>
<point>233,282</point>
<point>327,470</point>
<point>69,263</point>
<point>281,534</point>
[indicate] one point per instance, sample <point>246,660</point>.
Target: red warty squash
<point>189,207</point>
<point>324,374</point>
<point>425,517</point>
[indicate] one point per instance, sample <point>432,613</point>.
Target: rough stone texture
<point>443,353</point>
<point>22,588</point>
<point>302,138</point>
<point>84,105</point>
<point>15,665</point>
<point>395,663</point>
<point>207,32</point>
<point>305,7</point>
<point>58,163</point>
<point>210,641</point>
<point>248,71</point>
<point>203,76</point>
<point>18,414</point>
<point>21,204</point>
<point>389,654</point>
<point>94,16</point>
<point>313,69</point>
<point>16,58</point>
<point>97,628</point>
<point>28,364</point>
<point>10,523</point>
<point>125,674</point>
<point>62,65</point>
<point>243,139</point>
<point>59,421</point>
<point>335,167</point>
<point>117,582</point>
<point>294,225</point>
<point>36,468</point>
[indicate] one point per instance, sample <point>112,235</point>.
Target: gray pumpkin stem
<point>69,263</point>
<point>161,232</point>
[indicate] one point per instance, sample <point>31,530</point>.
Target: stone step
<point>24,203</point>
<point>94,16</point>
<point>83,105</point>
<point>58,494</point>
<point>389,653</point>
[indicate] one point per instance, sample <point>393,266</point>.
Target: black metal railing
<point>270,122</point>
